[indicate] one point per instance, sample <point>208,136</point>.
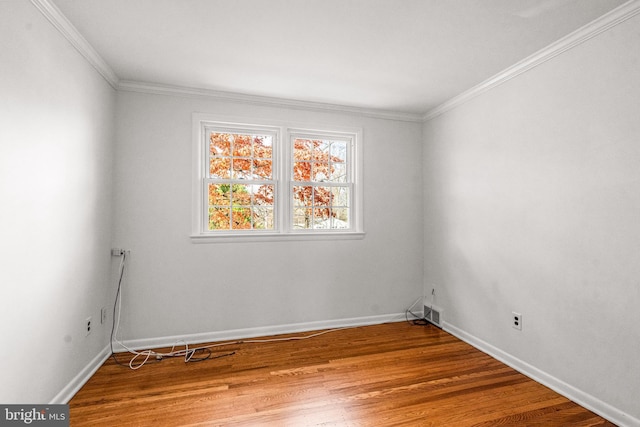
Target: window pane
<point>321,150</point>
<point>241,145</point>
<point>321,218</point>
<point>220,144</point>
<point>241,195</point>
<point>302,218</point>
<point>263,218</point>
<point>322,196</point>
<point>320,172</point>
<point>219,218</point>
<point>220,167</point>
<point>262,169</point>
<point>339,218</point>
<point>263,195</point>
<point>340,196</point>
<point>339,152</point>
<point>263,147</point>
<point>302,171</point>
<point>241,218</point>
<point>338,172</point>
<point>302,149</point>
<point>302,195</point>
<point>241,168</point>
<point>219,195</point>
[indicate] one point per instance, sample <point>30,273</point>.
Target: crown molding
<point>581,35</point>
<point>62,24</point>
<point>162,89</point>
<point>69,31</point>
<point>600,25</point>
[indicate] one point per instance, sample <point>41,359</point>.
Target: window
<point>266,180</point>
<point>321,185</point>
<point>240,186</point>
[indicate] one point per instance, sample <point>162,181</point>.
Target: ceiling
<point>395,55</point>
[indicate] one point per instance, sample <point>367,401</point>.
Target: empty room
<point>320,212</point>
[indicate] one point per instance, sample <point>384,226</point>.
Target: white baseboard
<point>237,334</point>
<point>586,400</point>
<point>65,395</point>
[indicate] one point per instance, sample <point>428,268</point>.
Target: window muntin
<point>240,182</point>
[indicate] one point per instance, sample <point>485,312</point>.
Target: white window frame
<point>284,134</point>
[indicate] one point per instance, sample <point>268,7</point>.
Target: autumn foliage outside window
<point>321,187</point>
<point>241,186</point>
<point>275,181</point>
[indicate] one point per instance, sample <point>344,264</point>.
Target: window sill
<point>275,237</point>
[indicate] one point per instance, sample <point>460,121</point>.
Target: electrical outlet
<point>516,320</point>
<point>88,325</point>
<point>103,315</point>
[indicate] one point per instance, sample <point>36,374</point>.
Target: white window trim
<point>283,158</point>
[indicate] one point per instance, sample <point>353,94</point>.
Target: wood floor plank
<point>395,374</point>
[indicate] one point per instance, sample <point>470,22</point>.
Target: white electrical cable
<point>140,358</point>
<point>408,311</point>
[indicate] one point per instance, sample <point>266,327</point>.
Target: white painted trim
<point>275,237</point>
<point>605,22</point>
<point>66,28</point>
<point>262,331</point>
<point>69,31</point>
<point>582,398</point>
<point>65,395</point>
<point>581,35</point>
<point>170,90</point>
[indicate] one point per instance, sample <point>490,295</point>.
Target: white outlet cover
<point>516,320</point>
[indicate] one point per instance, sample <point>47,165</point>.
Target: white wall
<point>532,204</point>
<point>56,116</point>
<point>175,287</point>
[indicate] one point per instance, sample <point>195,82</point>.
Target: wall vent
<point>433,315</point>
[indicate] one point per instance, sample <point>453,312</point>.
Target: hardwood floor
<point>393,374</point>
